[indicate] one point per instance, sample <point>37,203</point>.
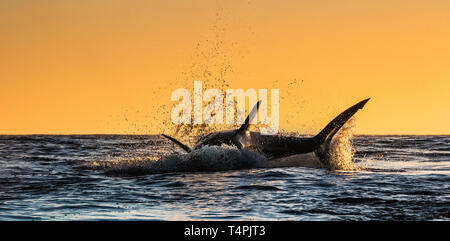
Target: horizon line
<point>122,134</point>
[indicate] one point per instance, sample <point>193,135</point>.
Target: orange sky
<point>86,67</point>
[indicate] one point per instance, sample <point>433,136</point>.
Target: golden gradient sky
<point>104,66</point>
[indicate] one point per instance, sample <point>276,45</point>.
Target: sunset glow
<point>109,67</point>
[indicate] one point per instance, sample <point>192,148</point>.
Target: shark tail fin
<point>183,146</point>
<point>335,125</point>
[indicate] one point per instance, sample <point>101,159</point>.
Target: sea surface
<point>115,177</point>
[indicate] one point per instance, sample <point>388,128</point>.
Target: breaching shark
<point>281,151</point>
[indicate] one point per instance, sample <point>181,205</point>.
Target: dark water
<point>56,178</point>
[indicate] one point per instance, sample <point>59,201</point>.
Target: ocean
<point>122,177</point>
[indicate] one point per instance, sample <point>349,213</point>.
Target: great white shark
<point>281,151</point>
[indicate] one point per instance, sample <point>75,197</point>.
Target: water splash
<point>212,65</point>
<point>341,149</point>
<point>205,159</point>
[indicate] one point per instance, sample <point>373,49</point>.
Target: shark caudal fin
<point>183,146</point>
<point>244,127</point>
<point>335,125</point>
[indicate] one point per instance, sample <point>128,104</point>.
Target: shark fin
<point>183,146</point>
<point>244,127</point>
